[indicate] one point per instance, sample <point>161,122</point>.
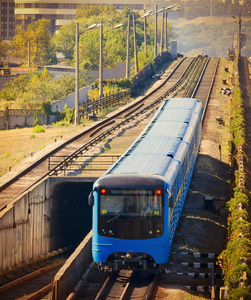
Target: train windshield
<point>131,214</point>
<point>142,203</point>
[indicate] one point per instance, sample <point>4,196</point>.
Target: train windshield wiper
<point>114,218</point>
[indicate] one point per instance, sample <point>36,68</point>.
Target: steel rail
<point>210,90</point>
<point>197,73</point>
<point>151,292</point>
<point>130,289</point>
<point>152,289</point>
<point>28,277</point>
<point>153,286</point>
<point>200,78</point>
<point>122,282</point>
<point>101,123</point>
<point>60,168</point>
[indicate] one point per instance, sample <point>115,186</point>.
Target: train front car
<point>129,221</point>
<point>138,201</point>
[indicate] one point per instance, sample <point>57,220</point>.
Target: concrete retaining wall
<point>23,121</point>
<point>29,225</point>
<point>72,271</point>
<point>46,217</point>
<point>25,227</point>
<point>70,100</point>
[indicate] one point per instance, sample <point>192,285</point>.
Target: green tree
<point>88,11</point>
<point>145,57</point>
<point>64,40</point>
<point>38,89</point>
<point>38,37</point>
<point>114,41</point>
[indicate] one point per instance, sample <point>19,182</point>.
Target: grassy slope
<point>17,144</point>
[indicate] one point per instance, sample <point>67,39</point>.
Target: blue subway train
<point>138,201</point>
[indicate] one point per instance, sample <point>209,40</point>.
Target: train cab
<point>130,212</point>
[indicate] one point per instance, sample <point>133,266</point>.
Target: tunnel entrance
<point>71,217</point>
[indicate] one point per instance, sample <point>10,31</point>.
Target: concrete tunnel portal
<point>71,216</point>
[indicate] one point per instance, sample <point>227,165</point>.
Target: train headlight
<point>158,231</point>
<point>150,232</point>
<point>110,232</point>
<point>103,231</point>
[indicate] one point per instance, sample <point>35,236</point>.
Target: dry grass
<point>17,144</point>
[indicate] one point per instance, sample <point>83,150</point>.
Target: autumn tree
<point>36,89</point>
<point>4,50</point>
<point>38,38</point>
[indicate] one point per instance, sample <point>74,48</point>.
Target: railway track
<point>31,280</point>
<point>81,143</point>
<point>197,272</point>
<point>31,287</point>
<point>123,285</point>
<point>89,137</point>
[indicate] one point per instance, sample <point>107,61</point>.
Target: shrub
<point>38,129</point>
<point>239,228</point>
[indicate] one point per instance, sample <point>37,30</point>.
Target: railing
<point>93,107</point>
<point>83,162</point>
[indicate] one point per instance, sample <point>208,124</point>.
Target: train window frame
<point>131,225</point>
<point>133,192</point>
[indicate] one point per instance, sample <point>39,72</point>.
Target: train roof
<point>164,140</point>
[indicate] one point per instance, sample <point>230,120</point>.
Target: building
<point>62,11</point>
<point>174,52</point>
<point>7,19</point>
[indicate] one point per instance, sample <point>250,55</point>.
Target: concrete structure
<point>173,47</point>
<point>7,19</point>
<point>72,275</point>
<point>51,215</point>
<point>24,118</point>
<point>70,100</point>
<point>18,118</point>
<point>62,11</point>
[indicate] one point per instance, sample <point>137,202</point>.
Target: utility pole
<point>77,77</point>
<point>127,50</point>
<point>101,63</point>
<point>93,26</point>
<point>155,35</point>
<point>239,37</point>
<point>162,31</point>
<point>135,46</point>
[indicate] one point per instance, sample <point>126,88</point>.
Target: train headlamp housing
<point>103,191</point>
<point>158,192</point>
